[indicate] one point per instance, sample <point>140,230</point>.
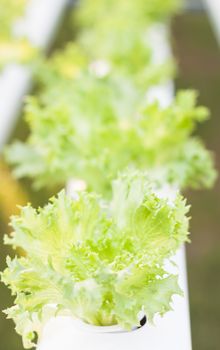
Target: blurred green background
<point>198,58</point>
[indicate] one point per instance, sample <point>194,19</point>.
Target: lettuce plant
<point>120,41</point>
<point>87,140</point>
<point>117,31</point>
<point>67,69</point>
<point>119,45</point>
<point>94,88</point>
<point>98,262</point>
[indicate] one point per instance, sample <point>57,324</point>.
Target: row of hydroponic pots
<point>97,269</point>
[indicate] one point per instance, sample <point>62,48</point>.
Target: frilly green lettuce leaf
<point>154,298</point>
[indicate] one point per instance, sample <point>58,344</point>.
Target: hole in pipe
<point>143,321</point>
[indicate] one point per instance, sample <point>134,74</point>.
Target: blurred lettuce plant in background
<point>118,31</point>
<point>92,118</point>
<point>89,141</point>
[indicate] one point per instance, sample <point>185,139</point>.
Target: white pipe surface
<point>15,82</point>
<point>41,21</point>
<point>213,8</point>
<point>161,52</point>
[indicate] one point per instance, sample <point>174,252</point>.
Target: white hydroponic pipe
<point>171,332</point>
<point>39,24</point>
